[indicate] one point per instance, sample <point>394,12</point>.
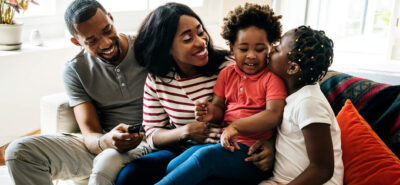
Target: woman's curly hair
<point>261,16</point>
<point>313,51</point>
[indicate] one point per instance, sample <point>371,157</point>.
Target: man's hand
<point>204,111</point>
<point>262,154</point>
<point>121,140</point>
<point>229,137</point>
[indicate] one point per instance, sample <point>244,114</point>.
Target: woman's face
<point>189,47</point>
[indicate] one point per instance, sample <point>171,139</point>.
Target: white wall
<point>26,76</point>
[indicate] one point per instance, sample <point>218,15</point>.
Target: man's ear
<point>293,68</point>
<point>75,42</point>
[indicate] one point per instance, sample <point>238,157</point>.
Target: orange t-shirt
<point>246,95</point>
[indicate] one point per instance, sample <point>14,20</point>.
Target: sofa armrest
<point>56,115</point>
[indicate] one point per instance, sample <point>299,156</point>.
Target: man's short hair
<point>80,11</point>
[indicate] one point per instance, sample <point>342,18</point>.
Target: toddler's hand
<point>229,137</point>
<point>203,111</point>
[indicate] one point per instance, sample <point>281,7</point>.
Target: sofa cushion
<point>367,160</point>
<point>378,103</point>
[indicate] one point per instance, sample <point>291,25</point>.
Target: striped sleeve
<point>154,115</point>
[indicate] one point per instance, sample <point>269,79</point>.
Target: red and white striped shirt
<point>169,101</point>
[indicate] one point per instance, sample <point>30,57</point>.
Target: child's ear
<point>231,49</point>
<point>293,68</point>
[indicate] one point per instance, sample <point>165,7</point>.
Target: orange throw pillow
<point>367,160</point>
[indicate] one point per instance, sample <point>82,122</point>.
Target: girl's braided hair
<point>252,15</point>
<point>313,52</point>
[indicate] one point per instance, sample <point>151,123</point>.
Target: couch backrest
<point>378,103</point>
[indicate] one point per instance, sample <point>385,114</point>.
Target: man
<point>104,83</point>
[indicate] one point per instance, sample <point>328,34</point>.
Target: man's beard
<point>116,57</point>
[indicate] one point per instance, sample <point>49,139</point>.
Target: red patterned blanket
<point>378,103</point>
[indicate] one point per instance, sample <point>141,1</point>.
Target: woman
<point>174,46</point>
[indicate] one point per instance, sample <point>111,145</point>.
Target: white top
<point>306,106</point>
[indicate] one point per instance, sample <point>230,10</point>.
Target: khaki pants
<point>37,160</point>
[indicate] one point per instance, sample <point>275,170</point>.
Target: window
<point>155,3</point>
<point>45,8</point>
<point>355,26</point>
<point>48,16</point>
<point>124,5</point>
<point>135,5</point>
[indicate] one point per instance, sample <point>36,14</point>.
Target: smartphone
<point>134,128</point>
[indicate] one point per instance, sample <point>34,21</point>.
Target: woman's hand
<point>204,111</point>
<point>214,133</point>
<point>229,137</point>
<point>196,131</point>
<point>262,154</point>
<point>202,132</point>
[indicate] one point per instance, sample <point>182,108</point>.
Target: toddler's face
<point>278,56</point>
<point>250,49</point>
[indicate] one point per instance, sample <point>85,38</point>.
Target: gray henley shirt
<point>115,91</point>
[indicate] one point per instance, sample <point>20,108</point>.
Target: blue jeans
<point>145,170</point>
<point>201,162</point>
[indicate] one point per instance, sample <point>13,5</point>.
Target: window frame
<point>53,26</point>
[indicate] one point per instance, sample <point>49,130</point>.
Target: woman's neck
<point>187,71</point>
<point>188,74</point>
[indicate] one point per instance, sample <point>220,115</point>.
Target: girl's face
<point>189,47</point>
<point>278,55</point>
<point>250,49</point>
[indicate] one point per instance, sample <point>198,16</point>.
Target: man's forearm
<point>89,124</point>
<point>95,142</point>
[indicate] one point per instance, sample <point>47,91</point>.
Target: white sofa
<point>56,116</point>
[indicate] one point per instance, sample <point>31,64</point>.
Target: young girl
<point>252,96</point>
<point>308,146</point>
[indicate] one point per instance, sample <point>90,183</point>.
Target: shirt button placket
<point>241,90</point>
<point>120,79</point>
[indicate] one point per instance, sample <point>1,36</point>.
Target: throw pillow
<point>367,160</point>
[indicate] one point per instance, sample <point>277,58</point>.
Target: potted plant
<point>10,30</point>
